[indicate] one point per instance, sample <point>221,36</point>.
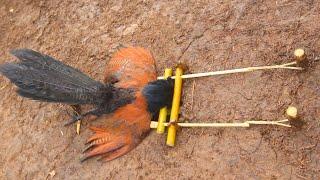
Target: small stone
<point>130,30</point>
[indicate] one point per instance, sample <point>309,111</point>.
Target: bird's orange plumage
<point>131,67</point>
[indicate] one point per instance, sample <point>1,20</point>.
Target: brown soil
<point>204,35</point>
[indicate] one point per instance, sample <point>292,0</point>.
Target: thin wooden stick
<point>154,124</point>
<point>240,70</point>
<point>289,64</point>
<point>3,87</point>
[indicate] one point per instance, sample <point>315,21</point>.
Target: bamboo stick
<point>240,70</point>
<point>171,137</point>
<point>300,55</point>
<point>163,111</point>
<point>225,125</point>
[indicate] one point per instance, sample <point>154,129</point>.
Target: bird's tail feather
<point>41,77</point>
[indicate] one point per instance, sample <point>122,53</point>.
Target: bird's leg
<point>76,112</point>
<point>75,118</point>
<point>76,109</point>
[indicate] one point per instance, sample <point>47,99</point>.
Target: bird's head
<point>158,94</point>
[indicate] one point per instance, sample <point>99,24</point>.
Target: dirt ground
<point>205,35</point>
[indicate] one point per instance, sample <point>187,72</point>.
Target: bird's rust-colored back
<point>132,67</point>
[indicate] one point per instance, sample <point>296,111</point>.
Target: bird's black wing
<point>41,77</point>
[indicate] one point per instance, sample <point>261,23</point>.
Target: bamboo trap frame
<point>283,123</point>
<point>300,56</point>
<point>240,70</point>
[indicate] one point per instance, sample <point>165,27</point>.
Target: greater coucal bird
<point>130,93</point>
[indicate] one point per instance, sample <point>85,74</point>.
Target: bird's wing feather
<point>41,77</point>
<point>128,126</point>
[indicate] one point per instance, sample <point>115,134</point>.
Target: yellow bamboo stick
<point>171,137</point>
<point>225,125</point>
<point>163,111</point>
